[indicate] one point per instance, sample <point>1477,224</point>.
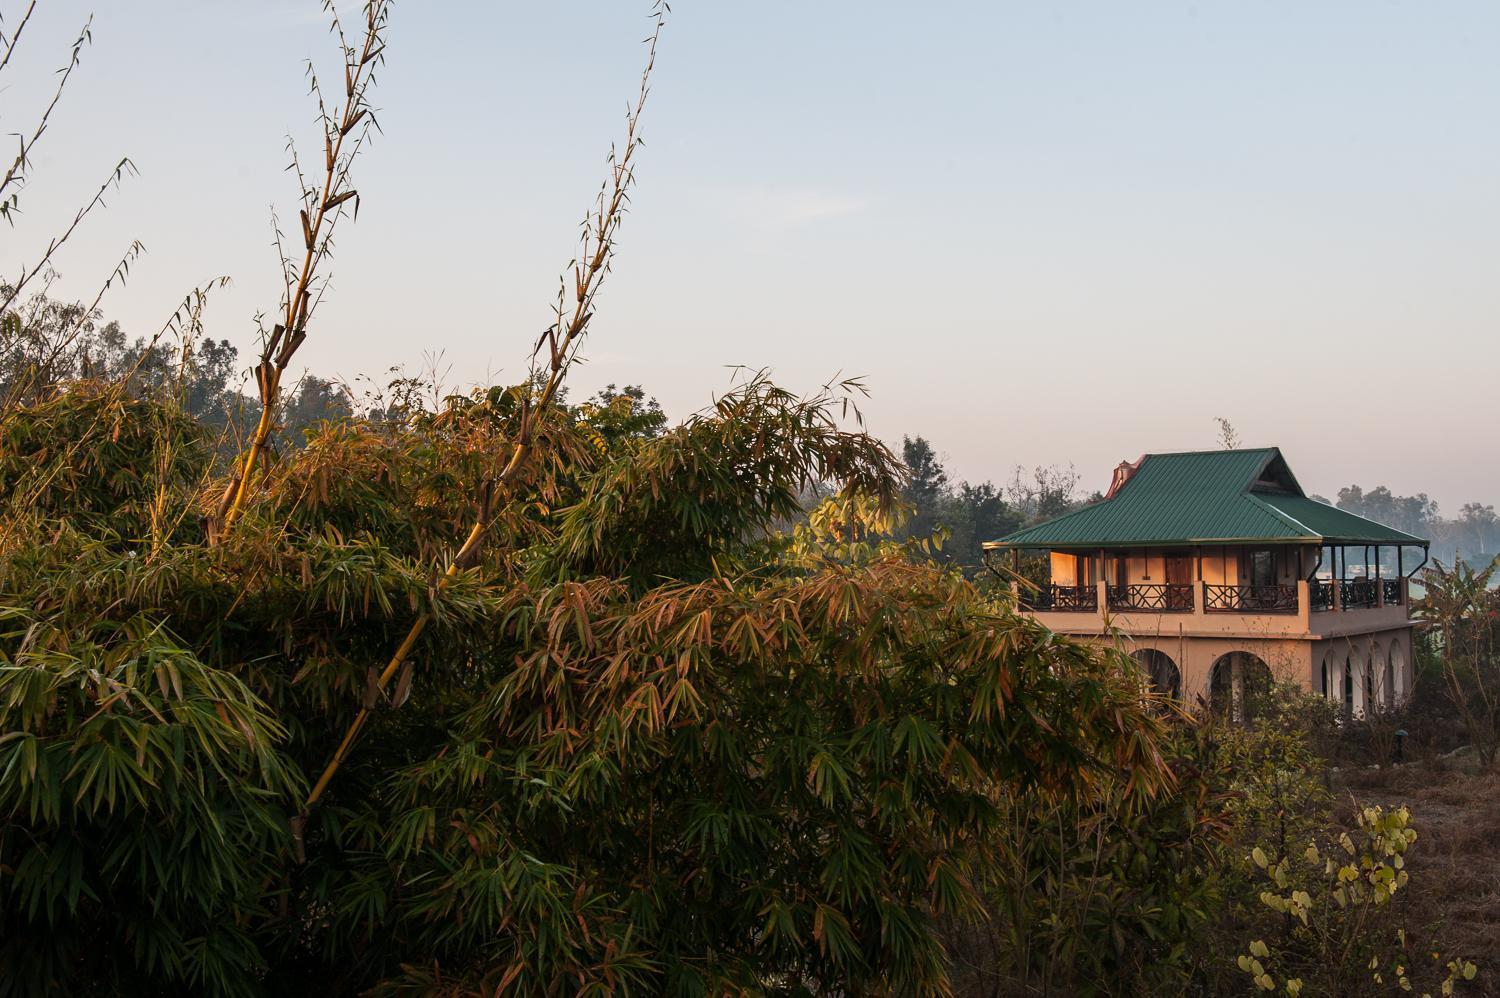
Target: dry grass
<point>1455,868</point>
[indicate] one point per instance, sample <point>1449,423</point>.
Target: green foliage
<point>1101,891</point>
<point>141,789</point>
<point>648,742</point>
<point>1461,613</point>
<point>1096,891</point>
<point>1278,796</point>
<point>951,521</point>
<point>99,460</point>
<point>1336,928</point>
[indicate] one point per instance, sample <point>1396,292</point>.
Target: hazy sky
<point>1043,232</point>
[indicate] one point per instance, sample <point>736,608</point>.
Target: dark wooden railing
<point>1356,595</point>
<point>1320,594</point>
<point>1250,599</point>
<point>1152,598</point>
<point>1178,598</point>
<point>1079,598</point>
<point>1068,599</point>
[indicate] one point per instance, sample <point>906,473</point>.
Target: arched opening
<point>1349,691</point>
<point>1359,689</point>
<point>1396,669</point>
<point>1166,678</point>
<point>1333,679</point>
<point>1323,678</point>
<point>1371,701</point>
<point>1238,685</point>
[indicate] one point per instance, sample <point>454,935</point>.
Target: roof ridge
<point>1214,450</point>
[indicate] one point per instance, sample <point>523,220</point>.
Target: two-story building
<point>1217,571</point>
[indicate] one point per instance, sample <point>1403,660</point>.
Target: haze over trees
<point>1472,536</point>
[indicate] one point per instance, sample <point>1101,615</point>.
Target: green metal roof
<point>1206,497</point>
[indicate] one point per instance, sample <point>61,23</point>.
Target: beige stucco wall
<point>1374,642</point>
<point>1222,566</point>
<point>1385,655</point>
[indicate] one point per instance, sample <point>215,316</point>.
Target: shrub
<point>1099,891</point>
<point>1337,929</point>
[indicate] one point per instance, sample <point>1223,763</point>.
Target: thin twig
<point>123,167</point>
<point>16,175</point>
<point>10,43</point>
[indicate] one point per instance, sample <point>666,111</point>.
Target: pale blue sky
<point>1043,232</point>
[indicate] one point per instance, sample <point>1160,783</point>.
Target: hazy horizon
<point>1042,234</point>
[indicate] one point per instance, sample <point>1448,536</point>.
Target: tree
<point>926,486</point>
<point>1049,491</point>
<point>1413,514</point>
<point>1479,524</point>
<point>1229,439</point>
<point>980,513</point>
<point>961,518</point>
<point>1460,608</point>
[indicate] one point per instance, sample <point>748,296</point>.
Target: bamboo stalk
<point>288,335</point>
<point>561,339</point>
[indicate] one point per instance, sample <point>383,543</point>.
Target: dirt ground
<point>1455,864</point>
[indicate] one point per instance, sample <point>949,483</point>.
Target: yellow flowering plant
<point>1339,930</point>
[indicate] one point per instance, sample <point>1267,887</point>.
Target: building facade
<point>1217,572</point>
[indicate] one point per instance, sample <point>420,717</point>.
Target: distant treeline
<point>45,343</point>
<point>1472,536</point>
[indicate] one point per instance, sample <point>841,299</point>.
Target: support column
<point>1237,688</point>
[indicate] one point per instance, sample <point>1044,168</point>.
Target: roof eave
<point>1008,545</point>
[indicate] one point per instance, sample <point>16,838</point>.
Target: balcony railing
<point>1152,598</point>
<point>1323,595</point>
<point>1320,594</point>
<point>1356,595</point>
<point>1068,599</point>
<point>1250,599</point>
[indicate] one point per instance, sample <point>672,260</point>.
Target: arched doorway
<point>1166,678</point>
<point>1237,685</point>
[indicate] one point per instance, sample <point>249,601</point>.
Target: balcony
<point>1062,599</point>
<point>1152,598</point>
<point>1358,595</point>
<point>1321,595</point>
<point>1318,608</point>
<point>1250,599</point>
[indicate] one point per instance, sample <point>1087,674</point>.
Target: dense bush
<point>645,743</point>
<point>1206,887</point>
